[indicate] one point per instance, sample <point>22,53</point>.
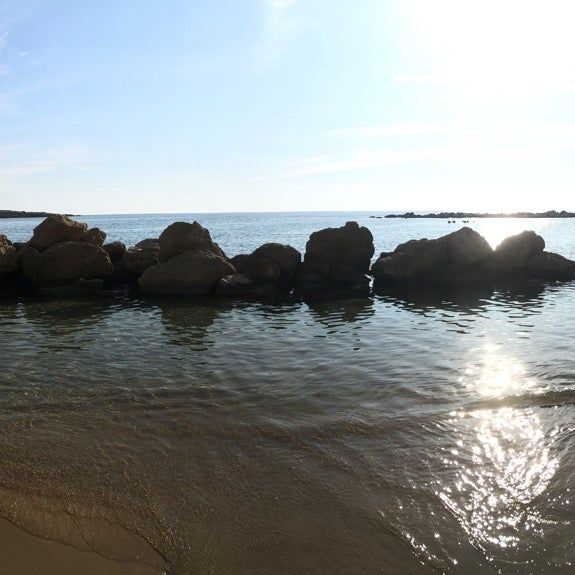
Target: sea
<point>406,432</point>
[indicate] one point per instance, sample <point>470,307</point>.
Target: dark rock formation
<point>7,256</point>
<point>336,258</point>
<point>189,273</point>
<point>66,262</point>
<point>257,268</point>
<point>56,229</point>
<point>464,258</point>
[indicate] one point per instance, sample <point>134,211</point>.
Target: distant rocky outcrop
<point>190,263</point>
<point>21,214</point>
<point>467,215</point>
<point>336,258</point>
<point>464,257</point>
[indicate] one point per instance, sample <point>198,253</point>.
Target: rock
<point>257,268</point>
<point>546,265</point>
<point>287,257</point>
<point>454,258</point>
<point>514,251</point>
<point>148,243</point>
<point>350,245</point>
<point>66,262</point>
<point>137,260</point>
<point>344,276</point>
<point>115,251</point>
<point>8,262</point>
<point>309,281</point>
<point>56,229</point>
<point>182,237</point>
<point>239,285</point>
<point>466,247</point>
<point>95,236</point>
<point>189,273</point>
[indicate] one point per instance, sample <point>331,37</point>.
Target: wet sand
<point>25,554</point>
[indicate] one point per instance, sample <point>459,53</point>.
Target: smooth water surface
<point>409,432</point>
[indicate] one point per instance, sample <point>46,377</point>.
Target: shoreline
<point>552,214</point>
<point>27,554</point>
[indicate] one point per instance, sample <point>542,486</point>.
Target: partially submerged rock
<point>239,285</point>
<point>66,262</point>
<point>464,257</point>
<point>115,251</point>
<point>137,260</point>
<point>336,258</point>
<point>95,236</point>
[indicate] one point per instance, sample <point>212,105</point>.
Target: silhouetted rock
<point>115,251</point>
<point>514,251</point>
<point>190,273</point>
<point>56,229</point>
<point>546,265</point>
<point>454,253</point>
<point>465,258</point>
<point>351,245</point>
<point>78,288</point>
<point>182,237</point>
<point>137,260</point>
<point>66,262</point>
<point>7,256</point>
<point>287,257</point>
<point>336,258</point>
<point>95,236</point>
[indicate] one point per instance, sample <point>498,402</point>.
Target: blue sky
<point>270,105</point>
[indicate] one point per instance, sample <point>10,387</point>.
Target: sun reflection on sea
<point>503,460</point>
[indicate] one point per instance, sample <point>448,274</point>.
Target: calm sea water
<point>403,433</point>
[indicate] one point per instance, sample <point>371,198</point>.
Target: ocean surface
<point>408,432</point>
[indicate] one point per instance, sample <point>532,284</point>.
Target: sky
<point>139,106</point>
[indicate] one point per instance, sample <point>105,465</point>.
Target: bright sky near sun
<point>270,105</point>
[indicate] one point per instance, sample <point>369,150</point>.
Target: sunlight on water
<point>503,460</point>
<point>496,375</point>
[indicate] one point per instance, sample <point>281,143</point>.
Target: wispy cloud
<point>18,161</point>
<point>280,27</point>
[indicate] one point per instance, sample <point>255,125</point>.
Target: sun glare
<point>494,50</point>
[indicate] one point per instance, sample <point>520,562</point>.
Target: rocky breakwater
<point>336,259</point>
<point>465,257</point>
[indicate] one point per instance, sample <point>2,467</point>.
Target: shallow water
<point>402,433</point>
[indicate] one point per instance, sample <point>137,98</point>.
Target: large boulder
<point>350,245</point>
<point>287,257</point>
<point>95,236</point>
<point>182,237</point>
<point>7,256</point>
<point>66,262</point>
<point>189,273</point>
<point>514,252</point>
<point>56,229</point>
<point>453,258</point>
